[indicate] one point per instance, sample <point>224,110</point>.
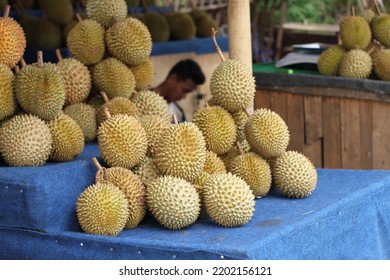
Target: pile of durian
<point>364,48</point>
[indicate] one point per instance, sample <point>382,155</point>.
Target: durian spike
<point>7,9</point>
<point>239,147</point>
<point>105,97</point>
<point>219,51</point>
<point>40,63</point>
<point>58,54</point>
<point>23,63</point>
<point>247,112</point>
<point>79,19</point>
<point>175,119</point>
<point>378,10</point>
<point>107,113</point>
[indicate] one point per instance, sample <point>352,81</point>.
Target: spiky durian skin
<point>106,12</point>
<point>134,191</point>
<point>68,138</point>
<point>40,90</point>
<point>228,199</point>
<point>380,26</point>
<point>329,60</point>
<point>129,41</point>
<point>143,74</point>
<point>267,133</point>
<point>355,32</point>
<point>181,26</point>
<point>113,77</point>
<point>77,80</point>
<point>356,64</point>
<point>232,86</point>
<point>85,42</point>
<point>102,209</point>
<point>157,25</point>
<point>85,115</point>
<point>7,104</point>
<point>154,127</point>
<point>294,175</point>
<point>218,128</point>
<point>181,151</point>
<point>173,202</point>
<point>240,118</point>
<point>12,43</point>
<point>147,171</point>
<point>117,105</point>
<point>213,163</point>
<point>25,140</point>
<point>151,103</point>
<point>381,62</point>
<point>61,13</point>
<point>255,171</point>
<point>122,141</point>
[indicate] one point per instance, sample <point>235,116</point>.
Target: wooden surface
<point>333,131</point>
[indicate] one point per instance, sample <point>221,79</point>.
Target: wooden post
<point>239,31</point>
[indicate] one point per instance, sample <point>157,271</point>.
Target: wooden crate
<point>337,130</point>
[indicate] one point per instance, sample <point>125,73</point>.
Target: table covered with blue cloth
<point>346,217</point>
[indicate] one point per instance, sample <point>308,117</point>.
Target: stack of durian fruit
<point>364,48</point>
<point>216,166</point>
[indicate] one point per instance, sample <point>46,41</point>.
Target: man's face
<point>179,89</point>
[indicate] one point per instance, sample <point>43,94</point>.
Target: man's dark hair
<point>188,69</point>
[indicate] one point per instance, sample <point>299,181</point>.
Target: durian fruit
<point>85,116</point>
<point>381,64</point>
<point>228,200</point>
<point>102,209</point>
<point>173,202</point>
<point>329,61</point>
<point>133,3</point>
<point>213,163</point>
<point>294,175</point>
<point>107,12</point>
<point>157,25</point>
<point>228,157</point>
<point>204,23</point>
<point>240,118</point>
<point>40,90</point>
<point>129,41</point>
<point>181,26</point>
<point>3,3</point>
<point>13,40</point>
<point>181,151</point>
<point>25,140</point>
<point>356,64</point>
<point>367,14</point>
<point>86,41</point>
<point>144,75</point>
<point>95,99</point>
<point>47,35</point>
<point>380,26</point>
<point>267,133</point>
<point>147,171</point>
<point>151,103</point>
<point>122,141</point>
<point>218,128</point>
<point>7,104</point>
<point>154,126</point>
<point>27,4</point>
<point>60,13</point>
<point>77,79</point>
<point>113,77</point>
<point>67,138</point>
<point>355,32</point>
<point>232,84</point>
<point>133,189</point>
<point>30,24</point>
<point>255,171</point>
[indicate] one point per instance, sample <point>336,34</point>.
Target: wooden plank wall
<point>333,132</point>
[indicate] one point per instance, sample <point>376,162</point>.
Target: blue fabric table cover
<point>347,217</point>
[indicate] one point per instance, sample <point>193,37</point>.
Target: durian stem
<point>240,149</point>
<point>59,55</point>
<point>79,19</point>
<point>100,171</point>
<point>107,113</point>
<point>353,10</point>
<point>7,9</point>
<point>175,119</point>
<point>378,10</point>
<point>97,164</point>
<point>40,63</point>
<point>219,51</point>
<point>105,97</point>
<point>16,69</point>
<point>247,112</point>
<point>23,62</point>
<point>206,102</point>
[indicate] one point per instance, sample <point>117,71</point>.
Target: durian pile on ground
<point>216,166</point>
<point>364,50</point>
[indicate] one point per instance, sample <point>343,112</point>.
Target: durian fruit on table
<point>363,51</point>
